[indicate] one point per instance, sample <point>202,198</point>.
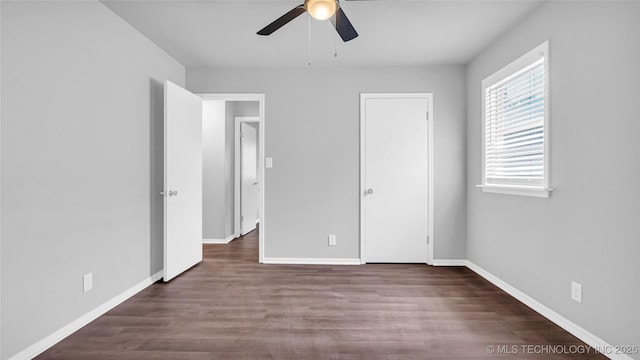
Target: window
<point>516,127</point>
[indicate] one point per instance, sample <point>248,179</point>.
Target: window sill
<point>533,191</point>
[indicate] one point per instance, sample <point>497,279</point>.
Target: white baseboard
<point>44,344</point>
<point>311,261</point>
<point>449,262</point>
<point>574,329</point>
<point>219,241</point>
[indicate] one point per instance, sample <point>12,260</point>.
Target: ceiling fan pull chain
<point>309,49</point>
<point>335,46</point>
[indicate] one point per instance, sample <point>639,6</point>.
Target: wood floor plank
<point>231,307</point>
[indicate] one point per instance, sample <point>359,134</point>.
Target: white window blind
<point>514,151</point>
<point>515,148</point>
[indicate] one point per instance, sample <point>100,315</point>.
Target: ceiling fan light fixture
<point>321,9</point>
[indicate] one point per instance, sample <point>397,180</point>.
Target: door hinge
<point>427,116</point>
<point>427,239</point>
<point>241,218</point>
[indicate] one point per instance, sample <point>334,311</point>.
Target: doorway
<point>396,174</point>
<point>183,174</point>
<point>245,101</point>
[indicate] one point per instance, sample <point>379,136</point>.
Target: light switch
<point>576,292</point>
<point>269,163</point>
<point>87,282</point>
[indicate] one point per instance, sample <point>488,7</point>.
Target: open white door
<point>182,179</point>
<point>249,192</point>
<point>395,181</point>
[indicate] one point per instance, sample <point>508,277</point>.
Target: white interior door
<point>395,179</point>
<point>249,187</point>
<point>182,179</point>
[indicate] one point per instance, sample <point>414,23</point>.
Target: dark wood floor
<point>231,307</point>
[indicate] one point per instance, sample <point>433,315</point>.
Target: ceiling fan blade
<point>282,20</point>
<point>343,26</point>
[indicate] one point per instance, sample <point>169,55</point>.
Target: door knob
<point>369,191</point>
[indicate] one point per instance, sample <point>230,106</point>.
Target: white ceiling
<point>215,33</point>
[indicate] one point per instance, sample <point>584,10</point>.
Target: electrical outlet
<point>87,282</point>
<point>332,240</point>
<point>576,292</point>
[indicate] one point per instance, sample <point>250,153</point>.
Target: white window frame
<point>544,190</point>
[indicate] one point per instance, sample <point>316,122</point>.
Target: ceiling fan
<point>321,10</point>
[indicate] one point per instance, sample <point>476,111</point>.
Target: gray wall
<point>229,166</point>
<point>312,134</point>
<point>588,230</point>
<point>81,109</point>
<point>246,108</point>
<point>213,170</point>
